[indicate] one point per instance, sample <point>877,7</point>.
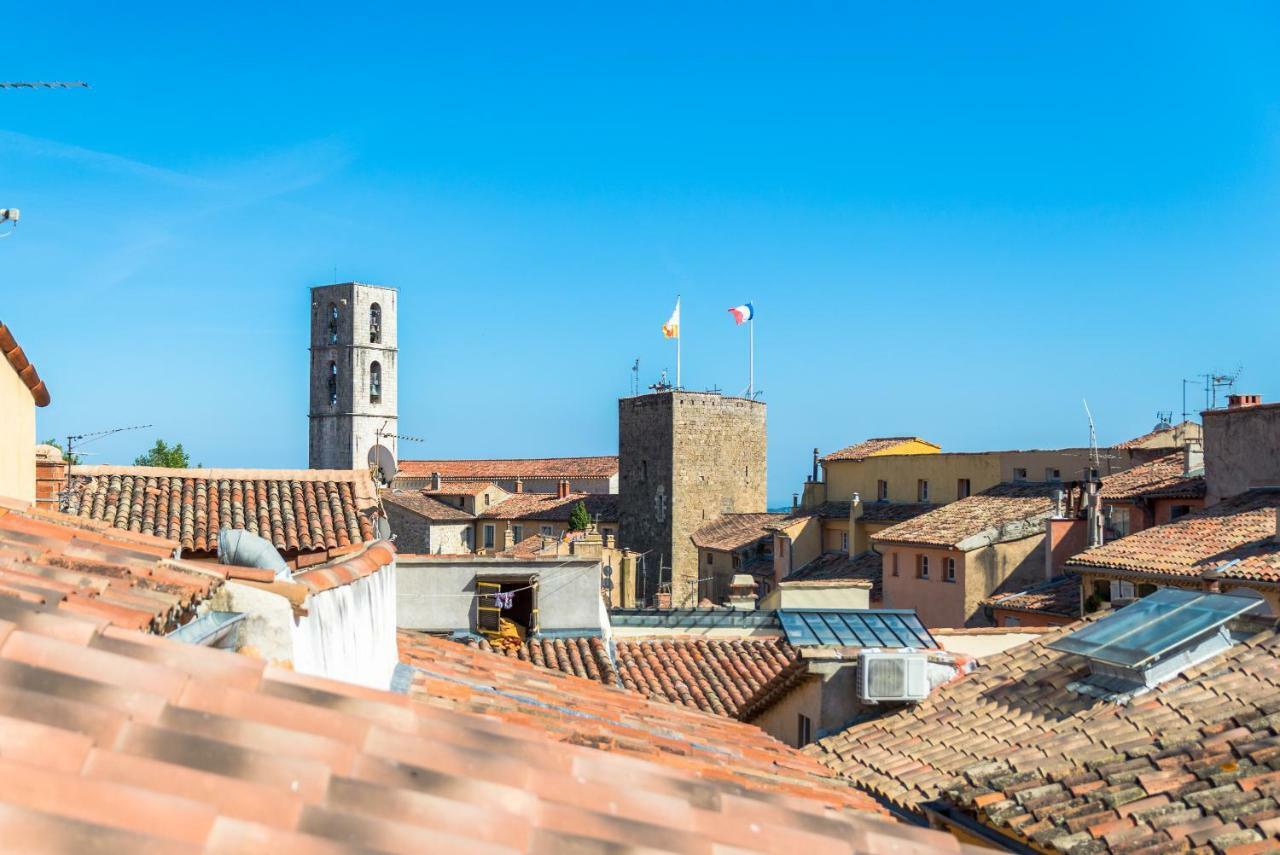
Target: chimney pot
<point>519,486</point>
<point>1237,402</point>
<point>435,480</point>
<point>562,489</point>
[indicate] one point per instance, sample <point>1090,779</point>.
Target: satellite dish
<point>384,461</point>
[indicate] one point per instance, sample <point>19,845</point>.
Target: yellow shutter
<point>533,612</point>
<point>488,615</point>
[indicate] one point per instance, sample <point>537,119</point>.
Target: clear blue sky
<point>955,221</point>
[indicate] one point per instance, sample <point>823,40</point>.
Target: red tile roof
<point>111,740</point>
<point>866,567</point>
<point>303,509</point>
<point>462,488</point>
<point>53,561</point>
<point>1057,596</point>
<point>1006,511</point>
<point>1191,763</point>
<point>713,675</point>
<point>728,532</point>
<point>363,562</point>
<point>1164,475</point>
<point>1241,529</point>
<point>425,506</point>
<point>872,512</point>
<point>19,362</point>
<point>527,467</point>
<point>869,447</point>
<point>683,748</point>
<point>548,506</point>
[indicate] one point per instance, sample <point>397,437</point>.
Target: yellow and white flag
<point>671,329</point>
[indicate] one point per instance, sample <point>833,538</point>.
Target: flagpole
<point>679,335</point>
<point>751,355</point>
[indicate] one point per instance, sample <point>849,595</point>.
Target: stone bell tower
<point>353,373</point>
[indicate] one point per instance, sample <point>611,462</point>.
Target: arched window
<point>375,323</point>
<point>333,384</point>
<point>333,323</point>
<point>375,383</point>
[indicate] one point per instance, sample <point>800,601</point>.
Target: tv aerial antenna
<point>1094,461</point>
<point>43,84</point>
<point>85,439</point>
<point>382,463</point>
<point>635,378</point>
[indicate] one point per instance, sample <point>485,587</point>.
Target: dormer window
<point>333,323</point>
<point>333,384</point>
<point>375,383</point>
<point>375,324</point>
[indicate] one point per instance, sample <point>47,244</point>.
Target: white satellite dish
<point>384,461</point>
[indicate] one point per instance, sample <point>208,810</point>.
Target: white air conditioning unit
<point>892,675</point>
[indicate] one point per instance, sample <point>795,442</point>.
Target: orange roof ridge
<point>350,568</point>
<point>18,360</point>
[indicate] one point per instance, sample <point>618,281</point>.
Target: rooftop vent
<point>892,676</point>
<point>1153,640</point>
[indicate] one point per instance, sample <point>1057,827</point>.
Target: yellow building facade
<point>21,391</point>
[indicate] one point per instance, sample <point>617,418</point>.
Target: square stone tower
<point>685,458</point>
<point>353,373</point>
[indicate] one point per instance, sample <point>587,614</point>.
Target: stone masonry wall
<point>1241,450</point>
<point>342,433</point>
<point>684,459</point>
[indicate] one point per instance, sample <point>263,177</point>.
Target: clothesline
<point>512,591</point>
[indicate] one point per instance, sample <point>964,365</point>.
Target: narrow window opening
<point>375,323</point>
<point>375,383</point>
<point>333,384</point>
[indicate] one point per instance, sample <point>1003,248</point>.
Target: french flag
<point>742,314</point>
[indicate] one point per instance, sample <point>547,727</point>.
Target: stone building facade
<point>684,459</point>
<point>353,373</point>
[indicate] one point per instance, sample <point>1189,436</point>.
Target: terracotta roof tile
<point>1057,596</point>
<point>713,675</point>
<point>837,566</point>
<point>1239,528</point>
<point>535,467</point>
<point>870,447</point>
<point>728,532</point>
<point>462,488</point>
<point>1013,509</point>
<point>18,361</point>
<point>113,740</point>
<point>294,509</point>
<point>1186,763</point>
<point>548,506</point>
<point>368,560</point>
<point>1163,476</point>
<point>55,561</point>
<point>425,506</point>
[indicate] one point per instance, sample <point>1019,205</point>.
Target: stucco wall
<point>1241,450</point>
<point>437,595</point>
<point>17,436</point>
<point>782,720</point>
<point>979,574</point>
<point>937,602</point>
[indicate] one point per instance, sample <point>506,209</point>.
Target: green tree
<point>74,460</point>
<point>579,519</point>
<point>162,454</point>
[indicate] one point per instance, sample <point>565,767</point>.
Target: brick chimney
<point>562,489</point>
<point>435,480</point>
<point>1236,402</point>
<point>815,466</point>
<point>518,487</point>
<point>51,476</point>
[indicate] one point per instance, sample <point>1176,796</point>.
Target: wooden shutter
<point>533,612</point>
<point>487,612</point>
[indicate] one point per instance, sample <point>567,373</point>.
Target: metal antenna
<point>635,378</point>
<point>1093,442</point>
<point>43,84</point>
<point>72,439</point>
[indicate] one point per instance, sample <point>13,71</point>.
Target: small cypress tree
<point>579,519</point>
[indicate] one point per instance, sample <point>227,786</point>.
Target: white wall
<point>438,595</point>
